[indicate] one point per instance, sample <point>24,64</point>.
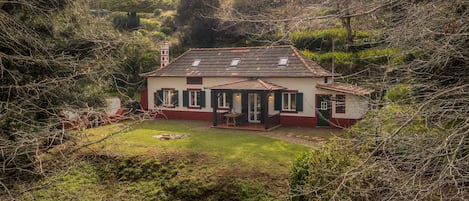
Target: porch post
<point>214,106</point>
<point>265,108</point>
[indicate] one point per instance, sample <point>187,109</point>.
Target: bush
<point>157,12</point>
<point>149,24</point>
<point>374,56</point>
<point>399,94</point>
<point>322,39</point>
<point>325,174</point>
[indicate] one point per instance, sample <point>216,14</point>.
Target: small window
<point>222,101</point>
<point>283,61</point>
<point>325,80</point>
<point>323,106</point>
<point>194,80</point>
<point>234,62</point>
<point>168,96</point>
<point>196,63</point>
<point>289,101</point>
<point>194,98</point>
<point>340,104</point>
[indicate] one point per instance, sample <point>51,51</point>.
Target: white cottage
<point>253,88</point>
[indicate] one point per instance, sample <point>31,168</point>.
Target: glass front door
<point>254,108</point>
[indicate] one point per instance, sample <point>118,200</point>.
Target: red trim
<point>223,108</point>
<point>295,121</point>
<point>337,107</point>
<point>191,107</point>
<point>287,121</point>
<point>167,89</point>
<point>289,111</point>
<point>343,123</point>
<point>144,99</point>
<point>189,115</point>
<point>168,106</point>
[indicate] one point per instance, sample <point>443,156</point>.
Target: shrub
<point>157,12</point>
<point>149,24</point>
<point>400,93</point>
<point>322,39</point>
<point>325,174</point>
<point>375,56</point>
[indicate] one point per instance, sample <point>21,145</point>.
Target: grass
<point>231,147</point>
<point>210,164</point>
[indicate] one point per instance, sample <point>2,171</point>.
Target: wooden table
<point>231,119</point>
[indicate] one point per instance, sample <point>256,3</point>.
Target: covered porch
<point>245,105</point>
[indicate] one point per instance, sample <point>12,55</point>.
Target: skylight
<point>283,61</point>
<point>196,63</point>
<point>234,62</point>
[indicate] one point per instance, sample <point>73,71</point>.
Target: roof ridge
<point>358,89</point>
<point>295,51</point>
<point>263,83</point>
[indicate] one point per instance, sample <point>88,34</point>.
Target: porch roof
<point>345,88</point>
<point>250,84</point>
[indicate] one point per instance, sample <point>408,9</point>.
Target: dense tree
<point>416,146</point>
<point>53,58</point>
<point>195,20</point>
<point>140,56</point>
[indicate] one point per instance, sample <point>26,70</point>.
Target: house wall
<point>356,107</point>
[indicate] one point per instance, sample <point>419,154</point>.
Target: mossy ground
<point>210,164</point>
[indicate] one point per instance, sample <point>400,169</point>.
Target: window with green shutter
<point>289,102</point>
<point>193,98</point>
<point>166,97</point>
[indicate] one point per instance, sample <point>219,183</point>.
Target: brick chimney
<point>164,53</point>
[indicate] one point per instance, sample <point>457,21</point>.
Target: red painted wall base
<point>292,121</point>
<point>343,123</point>
<point>189,115</point>
<point>287,121</point>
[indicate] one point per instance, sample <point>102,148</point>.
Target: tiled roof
<point>253,62</point>
<point>345,88</point>
<point>251,84</point>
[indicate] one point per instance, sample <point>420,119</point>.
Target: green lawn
<point>231,147</point>
<point>210,164</point>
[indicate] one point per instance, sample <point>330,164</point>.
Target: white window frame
<point>288,101</point>
<point>222,101</point>
<point>168,98</point>
<point>324,106</point>
<point>194,102</point>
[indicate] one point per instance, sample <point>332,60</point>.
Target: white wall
<point>356,107</point>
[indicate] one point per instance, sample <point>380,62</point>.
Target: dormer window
<point>196,63</point>
<point>234,63</point>
<point>283,62</point>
